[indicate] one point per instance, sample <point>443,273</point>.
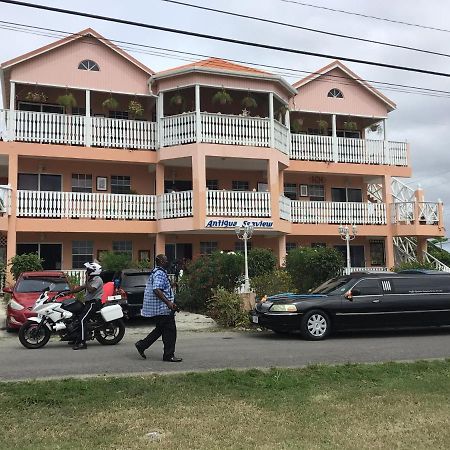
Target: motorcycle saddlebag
<point>72,305</point>
<point>111,312</point>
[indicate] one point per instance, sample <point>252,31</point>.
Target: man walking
<point>159,303</point>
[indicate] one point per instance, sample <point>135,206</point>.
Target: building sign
<point>233,223</point>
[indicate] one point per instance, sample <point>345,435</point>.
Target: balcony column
<point>334,139</point>
<point>419,198</point>
<point>386,195</point>
<point>159,119</point>
<point>88,129</point>
<point>387,156</point>
<point>273,180</point>
<point>287,119</point>
<point>12,113</point>
<point>272,122</point>
<point>281,241</point>
<point>421,249</point>
<point>160,244</point>
<point>198,122</point>
<point>440,215</point>
<point>199,188</point>
<point>11,242</point>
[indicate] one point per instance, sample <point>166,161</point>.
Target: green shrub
<point>272,283</point>
<point>260,261</point>
<point>28,262</point>
<point>206,273</point>
<point>226,308</point>
<point>412,265</point>
<point>310,267</point>
<point>74,281</point>
<point>143,264</point>
<point>115,261</point>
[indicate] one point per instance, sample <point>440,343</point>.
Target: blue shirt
<point>152,305</point>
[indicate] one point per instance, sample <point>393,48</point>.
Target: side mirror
<point>356,292</point>
<point>8,289</point>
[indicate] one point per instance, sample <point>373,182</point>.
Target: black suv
<point>360,301</point>
<point>132,282</point>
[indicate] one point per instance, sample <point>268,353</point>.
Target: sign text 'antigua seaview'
<point>232,223</point>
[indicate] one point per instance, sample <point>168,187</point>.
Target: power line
<point>352,13</point>
<point>224,39</point>
<point>162,52</point>
<point>313,30</point>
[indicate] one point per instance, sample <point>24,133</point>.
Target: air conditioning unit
<point>303,190</point>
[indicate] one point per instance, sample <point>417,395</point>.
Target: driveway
<point>204,350</point>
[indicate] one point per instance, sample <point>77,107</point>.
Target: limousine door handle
<point>376,301</point>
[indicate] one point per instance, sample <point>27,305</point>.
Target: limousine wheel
<point>315,325</point>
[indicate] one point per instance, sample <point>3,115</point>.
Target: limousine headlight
<point>283,308</point>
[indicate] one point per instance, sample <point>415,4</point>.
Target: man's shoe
<point>140,351</point>
<point>80,346</point>
<point>173,359</point>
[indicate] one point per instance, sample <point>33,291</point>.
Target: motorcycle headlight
<point>283,308</point>
<point>16,306</point>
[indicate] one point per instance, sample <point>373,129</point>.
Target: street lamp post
<point>344,232</point>
<point>244,233</point>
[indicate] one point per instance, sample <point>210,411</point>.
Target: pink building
<point>98,152</point>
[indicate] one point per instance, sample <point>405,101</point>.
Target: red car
<point>25,292</point>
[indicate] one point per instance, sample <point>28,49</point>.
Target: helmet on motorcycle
<point>93,268</point>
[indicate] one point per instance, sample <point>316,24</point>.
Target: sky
<point>421,120</point>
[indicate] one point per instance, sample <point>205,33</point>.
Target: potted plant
<point>110,104</point>
<point>350,126</point>
<point>222,97</point>
<point>375,127</point>
<point>249,102</point>
<point>68,101</point>
<point>35,96</point>
<point>135,108</point>
<point>322,125</point>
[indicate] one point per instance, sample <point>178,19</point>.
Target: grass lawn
<point>383,406</point>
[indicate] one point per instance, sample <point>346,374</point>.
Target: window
<point>316,192</point>
<point>81,182</point>
<point>240,185</point>
<point>290,191</point>
<point>368,287</point>
<point>39,182</point>
<point>118,115</point>
<point>348,134</point>
<point>290,246</point>
<point>41,107</point>
<point>318,245</point>
<point>207,248</point>
<point>239,246</point>
<point>212,185</point>
<point>120,184</point>
<point>122,247</point>
<point>335,93</point>
<point>377,253</point>
<point>82,251</point>
<point>346,195</point>
<point>89,65</point>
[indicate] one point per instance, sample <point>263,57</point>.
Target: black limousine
<point>360,301</point>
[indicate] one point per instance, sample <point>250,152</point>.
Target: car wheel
<point>315,325</point>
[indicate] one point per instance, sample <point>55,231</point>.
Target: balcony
<point>422,213</point>
<point>238,204</point>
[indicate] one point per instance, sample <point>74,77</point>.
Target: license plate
<point>255,319</point>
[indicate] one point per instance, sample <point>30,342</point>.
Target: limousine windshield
<point>335,286</point>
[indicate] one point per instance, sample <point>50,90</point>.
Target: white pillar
<point>272,123</point>
<point>12,114</point>
<point>159,117</point>
<point>88,126</point>
<point>198,124</point>
<point>287,119</point>
<point>334,139</point>
<point>387,156</point>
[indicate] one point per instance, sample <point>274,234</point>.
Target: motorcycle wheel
<point>111,333</point>
<point>29,336</point>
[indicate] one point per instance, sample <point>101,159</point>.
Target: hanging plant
<point>135,108</point>
<point>68,101</point>
<point>323,125</point>
<point>281,111</point>
<point>376,128</point>
<point>176,99</point>
<point>222,97</point>
<point>350,126</point>
<point>110,104</point>
<point>34,96</point>
<point>249,102</point>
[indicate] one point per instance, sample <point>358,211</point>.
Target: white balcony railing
<point>338,213</point>
<point>311,148</point>
<point>5,199</point>
<point>179,129</point>
<point>238,203</point>
<point>285,208</point>
<point>281,137</point>
<point>426,213</point>
<point>50,204</point>
<point>175,204</point>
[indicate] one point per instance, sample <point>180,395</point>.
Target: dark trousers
<point>165,327</point>
<point>90,308</point>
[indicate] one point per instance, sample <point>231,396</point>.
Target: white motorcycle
<point>60,317</point>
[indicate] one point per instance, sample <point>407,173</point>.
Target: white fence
<point>238,203</point>
<point>175,204</point>
<point>5,199</point>
<point>405,212</point>
<point>354,213</point>
<point>285,208</point>
<point>311,148</point>
<point>281,137</point>
<point>78,275</point>
<point>85,205</point>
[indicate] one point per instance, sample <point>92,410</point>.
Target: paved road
<point>217,350</point>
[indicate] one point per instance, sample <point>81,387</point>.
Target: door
<point>52,256</point>
<point>365,310</point>
<point>357,258</point>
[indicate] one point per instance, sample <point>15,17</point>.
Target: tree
<point>28,262</point>
<point>310,267</point>
<point>115,261</point>
<point>260,261</point>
